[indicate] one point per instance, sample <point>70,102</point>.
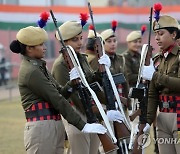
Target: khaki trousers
<point>81,143</point>
<point>44,137</point>
<point>167,130</point>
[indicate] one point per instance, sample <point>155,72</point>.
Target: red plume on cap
<point>157,9</point>
<point>44,17</point>
<point>91,27</point>
<point>83,17</point>
<point>143,29</point>
<point>157,6</point>
<point>114,24</point>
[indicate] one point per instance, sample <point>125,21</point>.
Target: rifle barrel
<point>91,15</point>
<point>55,23</point>
<point>150,26</point>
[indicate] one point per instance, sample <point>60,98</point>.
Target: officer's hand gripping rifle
<point>140,92</point>
<point>85,92</point>
<point>121,130</point>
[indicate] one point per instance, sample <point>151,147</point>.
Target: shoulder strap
<point>123,62</point>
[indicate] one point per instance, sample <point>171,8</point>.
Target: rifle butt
<point>121,130</point>
<point>138,142</point>
<point>136,149</point>
<point>107,143</point>
<point>156,150</point>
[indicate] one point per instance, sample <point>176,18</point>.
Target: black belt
<point>41,112</point>
<point>168,104</point>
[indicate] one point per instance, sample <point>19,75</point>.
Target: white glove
<point>73,74</point>
<point>105,60</point>
<point>146,129</point>
<point>115,115</point>
<point>116,105</point>
<point>94,128</point>
<point>148,71</point>
<point>136,129</point>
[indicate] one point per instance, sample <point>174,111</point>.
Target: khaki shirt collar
<point>134,54</point>
<point>34,61</point>
<point>174,51</point>
<point>112,56</point>
<point>90,52</point>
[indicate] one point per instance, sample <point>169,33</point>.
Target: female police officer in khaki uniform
<point>41,97</point>
<point>132,56</point>
<point>90,49</point>
<point>164,89</point>
<point>71,32</point>
<point>117,61</point>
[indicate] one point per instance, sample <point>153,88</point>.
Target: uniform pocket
<point>32,132</point>
<point>173,71</point>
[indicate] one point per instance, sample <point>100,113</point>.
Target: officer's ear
<point>29,49</point>
<point>174,34</point>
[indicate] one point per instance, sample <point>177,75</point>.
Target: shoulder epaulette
<point>118,54</point>
<point>125,54</point>
<point>178,47</point>
<point>156,56</point>
<point>91,57</point>
<point>179,52</point>
<point>84,54</point>
<point>33,62</point>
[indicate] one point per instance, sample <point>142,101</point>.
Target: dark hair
<point>178,35</point>
<point>17,47</point>
<point>111,37</point>
<point>173,29</point>
<point>90,44</point>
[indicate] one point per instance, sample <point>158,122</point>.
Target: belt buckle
<point>166,105</point>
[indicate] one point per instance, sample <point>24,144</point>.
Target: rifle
<point>147,62</point>
<point>121,130</point>
<point>84,94</point>
<point>140,92</point>
<point>143,91</point>
<point>120,79</point>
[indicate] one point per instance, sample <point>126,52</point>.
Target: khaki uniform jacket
<point>132,61</point>
<point>170,80</point>
<point>117,63</point>
<point>37,84</point>
<point>92,60</point>
<point>117,66</point>
<point>60,72</point>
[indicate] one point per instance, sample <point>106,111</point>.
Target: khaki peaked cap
<point>91,34</point>
<point>69,30</point>
<point>164,22</point>
<point>107,34</point>
<point>134,35</point>
<point>32,36</point>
